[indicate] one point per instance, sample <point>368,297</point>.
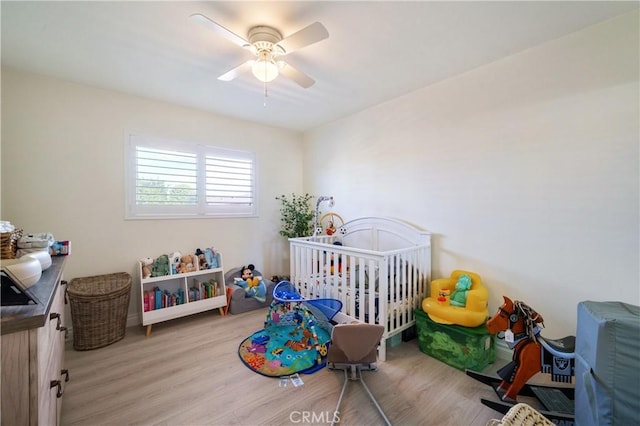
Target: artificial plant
<point>297,215</point>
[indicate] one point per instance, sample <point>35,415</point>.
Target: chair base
<point>356,374</point>
<point>362,367</point>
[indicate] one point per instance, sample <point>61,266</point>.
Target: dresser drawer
<point>33,354</point>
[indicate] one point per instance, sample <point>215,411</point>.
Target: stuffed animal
<point>459,295</point>
<point>202,260</point>
<point>247,275</point>
<point>160,266</point>
<point>212,257</point>
<point>146,263</point>
<point>253,286</point>
<point>175,259</point>
<point>187,263</point>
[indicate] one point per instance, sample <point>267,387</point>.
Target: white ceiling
<point>376,51</point>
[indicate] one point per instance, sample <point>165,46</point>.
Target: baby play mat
<point>283,350</point>
<point>295,338</point>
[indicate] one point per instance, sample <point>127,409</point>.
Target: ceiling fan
<point>268,46</point>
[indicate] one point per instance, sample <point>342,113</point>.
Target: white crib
<point>386,260</point>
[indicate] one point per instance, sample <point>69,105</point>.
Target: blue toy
<point>295,337</point>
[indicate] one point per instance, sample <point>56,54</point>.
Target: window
<point>172,179</point>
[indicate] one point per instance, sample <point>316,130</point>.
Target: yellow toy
<point>474,310</point>
<point>443,296</point>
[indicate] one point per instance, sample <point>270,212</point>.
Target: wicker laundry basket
<point>99,307</point>
<point>521,415</point>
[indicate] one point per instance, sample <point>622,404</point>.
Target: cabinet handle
<point>65,330</point>
<point>56,316</point>
<point>66,374</point>
<point>64,282</point>
<point>57,383</point>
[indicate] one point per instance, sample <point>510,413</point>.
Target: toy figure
<point>174,260</point>
<point>253,286</point>
<point>212,258</point>
<point>331,228</point>
<point>146,264</point>
<point>531,352</point>
<point>202,260</point>
<point>247,275</point>
<point>160,266</point>
<point>187,264</point>
<point>459,295</point>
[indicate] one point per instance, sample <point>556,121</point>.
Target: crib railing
<point>374,287</point>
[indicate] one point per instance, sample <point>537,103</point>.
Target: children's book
<point>152,300</point>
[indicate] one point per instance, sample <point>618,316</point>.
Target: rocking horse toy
<point>519,325</point>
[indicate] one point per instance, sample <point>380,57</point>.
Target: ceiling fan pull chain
<point>265,95</point>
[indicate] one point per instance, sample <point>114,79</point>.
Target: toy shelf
<point>183,294</point>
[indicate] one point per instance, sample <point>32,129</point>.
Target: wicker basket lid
<point>99,285</point>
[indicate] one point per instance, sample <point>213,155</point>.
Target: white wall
<point>526,170</point>
<point>63,172</point>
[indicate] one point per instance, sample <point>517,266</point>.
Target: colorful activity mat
<point>295,338</point>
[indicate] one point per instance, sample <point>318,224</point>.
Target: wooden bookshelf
<point>178,294</point>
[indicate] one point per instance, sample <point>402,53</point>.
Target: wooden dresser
<point>32,344</point>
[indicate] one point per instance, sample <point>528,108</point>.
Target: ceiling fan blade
<point>299,77</point>
<point>230,75</point>
<point>306,36</point>
<point>220,30</point>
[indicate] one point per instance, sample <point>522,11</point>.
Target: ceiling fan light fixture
<point>267,44</point>
<point>265,70</point>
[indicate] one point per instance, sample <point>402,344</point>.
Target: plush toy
<point>459,295</point>
<point>146,263</point>
<point>175,257</point>
<point>253,286</point>
<point>187,263</point>
<point>160,266</point>
<point>174,261</point>
<point>212,257</point>
<point>247,276</point>
<point>202,260</point>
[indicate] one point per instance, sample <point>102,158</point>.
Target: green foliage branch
<point>297,215</point>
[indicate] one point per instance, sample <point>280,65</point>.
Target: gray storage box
<point>607,365</point>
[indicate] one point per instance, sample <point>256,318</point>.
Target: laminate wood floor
<point>188,373</point>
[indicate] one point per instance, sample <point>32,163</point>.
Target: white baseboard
<point>133,320</point>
